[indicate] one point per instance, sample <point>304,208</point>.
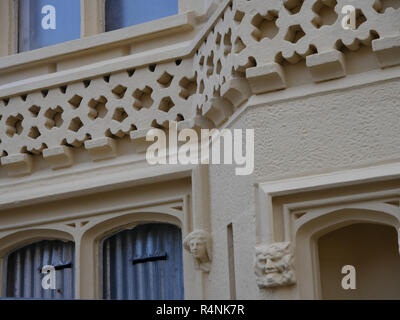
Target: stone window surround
<point>89,227</point>
<point>303,222</point>
<point>103,52</point>
<point>92,19</point>
<point>96,46</point>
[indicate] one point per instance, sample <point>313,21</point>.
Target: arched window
<point>24,270</point>
<point>144,263</point>
<point>125,13</point>
<point>46,22</point>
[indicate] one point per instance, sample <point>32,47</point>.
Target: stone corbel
<point>387,51</point>
<point>218,109</point>
<point>273,265</point>
<point>198,243</point>
<point>326,65</point>
<point>266,78</point>
<point>139,139</point>
<point>197,123</point>
<point>237,91</point>
<point>17,164</point>
<point>59,157</point>
<point>101,148</point>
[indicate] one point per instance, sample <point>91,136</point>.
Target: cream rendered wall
<point>351,128</point>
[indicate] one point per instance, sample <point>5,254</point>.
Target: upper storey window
<point>47,22</point>
<point>125,13</point>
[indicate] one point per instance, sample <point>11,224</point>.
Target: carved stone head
<point>198,243</point>
<point>273,265</point>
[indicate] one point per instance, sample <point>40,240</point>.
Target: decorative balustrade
<point>243,53</point>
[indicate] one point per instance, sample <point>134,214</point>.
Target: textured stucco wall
<point>323,133</point>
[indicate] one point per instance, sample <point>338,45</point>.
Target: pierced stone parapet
<point>244,51</point>
<point>95,112</point>
<point>254,40</point>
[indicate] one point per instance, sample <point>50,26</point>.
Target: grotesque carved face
<point>273,265</point>
<point>198,243</point>
<point>198,247</point>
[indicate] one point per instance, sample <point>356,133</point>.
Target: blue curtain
<point>144,263</point>
<point>24,277</point>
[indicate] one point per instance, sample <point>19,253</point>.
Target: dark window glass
<point>124,13</point>
<point>46,22</point>
<point>25,266</point>
<point>144,263</point>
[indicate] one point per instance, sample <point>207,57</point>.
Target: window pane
<point>47,22</point>
<point>124,13</point>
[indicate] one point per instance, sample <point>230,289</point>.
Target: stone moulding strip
<point>66,185</point>
<point>138,207</point>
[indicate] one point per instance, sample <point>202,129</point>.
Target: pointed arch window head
<point>43,23</point>
<point>125,13</point>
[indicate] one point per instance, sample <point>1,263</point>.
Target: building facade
<point>317,80</point>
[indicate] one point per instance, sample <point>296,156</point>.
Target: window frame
<point>127,204</point>
<point>92,20</point>
<point>283,220</point>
